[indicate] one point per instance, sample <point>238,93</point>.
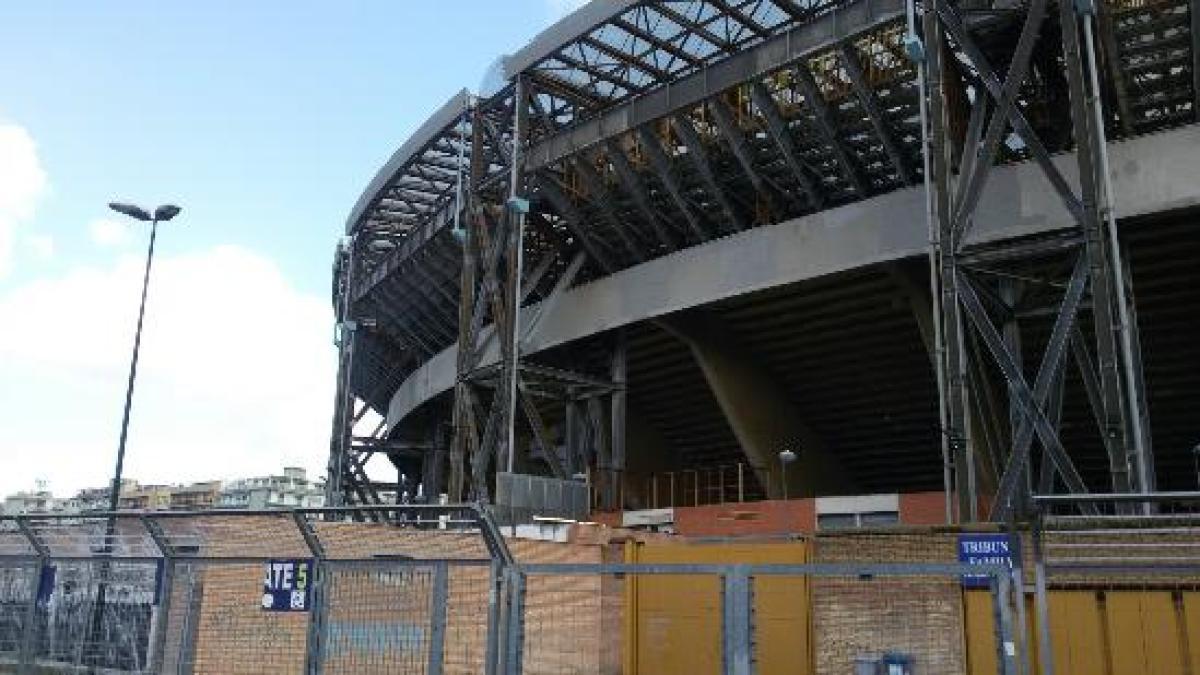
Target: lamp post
<point>786,456</point>
<point>161,214</point>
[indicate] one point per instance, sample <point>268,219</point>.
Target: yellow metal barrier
<point>673,624</point>
<point>1127,632</point>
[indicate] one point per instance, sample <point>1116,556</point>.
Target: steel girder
<point>976,280</point>
<point>491,402</point>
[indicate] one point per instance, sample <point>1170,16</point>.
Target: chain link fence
<point>404,589</point>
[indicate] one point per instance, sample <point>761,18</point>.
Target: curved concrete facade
<point>1151,174</point>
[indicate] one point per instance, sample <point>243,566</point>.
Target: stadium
<point>739,336</point>
<point>951,252</point>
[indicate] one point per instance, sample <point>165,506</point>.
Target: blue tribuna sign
<point>985,549</point>
<point>287,586</point>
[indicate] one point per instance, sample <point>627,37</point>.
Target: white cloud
<point>109,232</point>
<point>235,376</point>
<point>22,184</point>
<point>42,245</point>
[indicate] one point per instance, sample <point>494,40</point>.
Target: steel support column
<point>954,382</point>
<point>343,405</point>
<point>615,497</point>
<point>975,278</point>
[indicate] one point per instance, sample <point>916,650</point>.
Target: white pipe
<point>462,147</point>
<point>1124,329</point>
<point>518,101</point>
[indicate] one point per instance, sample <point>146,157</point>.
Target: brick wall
<point>778,517</point>
<point>233,634</point>
<point>749,518</point>
<point>377,615</point>
<point>923,508</point>
<point>919,616</point>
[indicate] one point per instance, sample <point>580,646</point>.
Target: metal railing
<point>722,484</point>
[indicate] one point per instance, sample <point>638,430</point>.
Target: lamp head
<point>787,456</point>
<point>166,212</point>
<point>130,210</point>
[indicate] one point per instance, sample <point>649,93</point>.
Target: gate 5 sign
<point>984,549</point>
<point>287,586</point>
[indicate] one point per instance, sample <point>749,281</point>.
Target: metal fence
<point>363,590</point>
<point>743,619</point>
<point>435,589</point>
<point>1116,583</point>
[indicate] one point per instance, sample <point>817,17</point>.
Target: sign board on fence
<point>985,549</point>
<point>287,586</point>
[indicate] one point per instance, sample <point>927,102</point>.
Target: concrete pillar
<point>759,411</point>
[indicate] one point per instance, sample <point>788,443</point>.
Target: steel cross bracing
<point>492,401</point>
<point>984,287</point>
<point>653,126</point>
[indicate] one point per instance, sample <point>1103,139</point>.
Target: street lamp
<point>161,214</point>
<point>786,456</point>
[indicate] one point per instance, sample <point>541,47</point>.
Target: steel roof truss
<point>598,73</point>
<point>819,107</point>
<point>664,171</point>
<point>741,17</point>
<point>603,202</point>
<point>630,60</point>
<point>695,27</point>
<point>728,127</point>
<point>658,43</point>
<point>570,214</point>
<point>635,187</point>
<point>875,113</point>
<point>698,155</point>
<point>783,139</point>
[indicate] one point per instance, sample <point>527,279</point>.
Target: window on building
<point>853,521</point>
<point>873,518</point>
<point>837,521</point>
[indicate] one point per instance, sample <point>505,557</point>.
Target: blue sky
<point>263,120</point>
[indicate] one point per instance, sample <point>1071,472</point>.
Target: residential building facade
<point>291,489</point>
